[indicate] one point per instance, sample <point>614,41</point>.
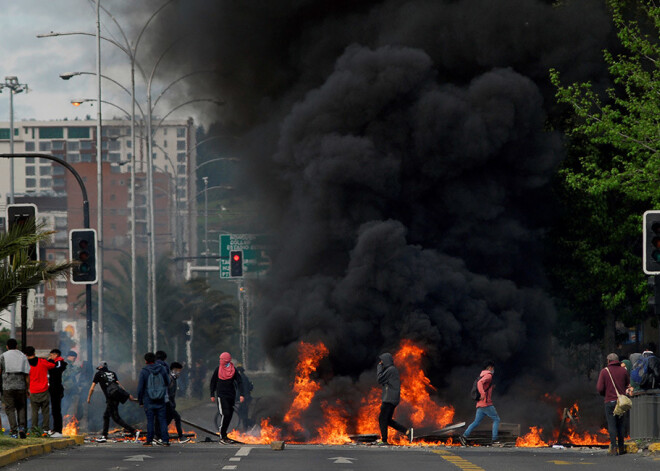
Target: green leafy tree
<point>18,273</point>
<point>611,175</point>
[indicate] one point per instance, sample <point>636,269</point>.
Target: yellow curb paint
<point>16,454</point>
<point>458,461</point>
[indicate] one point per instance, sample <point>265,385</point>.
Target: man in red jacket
<point>613,378</point>
<point>485,407</point>
<point>39,397</point>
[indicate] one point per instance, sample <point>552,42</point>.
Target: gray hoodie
<point>388,378</point>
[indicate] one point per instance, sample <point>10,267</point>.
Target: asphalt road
<point>213,456</point>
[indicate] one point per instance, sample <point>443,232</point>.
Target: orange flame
<point>71,426</point>
<point>310,356</point>
<point>532,439</point>
<point>267,434</point>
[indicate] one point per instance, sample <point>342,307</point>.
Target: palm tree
<point>18,273</point>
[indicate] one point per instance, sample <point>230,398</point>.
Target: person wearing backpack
<point>485,408</point>
<point>109,384</point>
<point>612,381</point>
<point>645,372</point>
<point>152,394</point>
<point>225,381</point>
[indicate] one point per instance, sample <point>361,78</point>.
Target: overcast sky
<point>39,62</point>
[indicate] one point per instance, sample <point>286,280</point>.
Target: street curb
<point>11,456</point>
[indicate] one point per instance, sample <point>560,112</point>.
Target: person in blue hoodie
<point>152,394</point>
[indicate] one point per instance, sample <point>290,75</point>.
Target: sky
<point>39,62</point>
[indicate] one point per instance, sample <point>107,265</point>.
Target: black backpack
<point>474,392</point>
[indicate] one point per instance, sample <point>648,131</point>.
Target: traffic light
<point>82,249</point>
<point>24,214</point>
<point>236,263</point>
<point>651,231</point>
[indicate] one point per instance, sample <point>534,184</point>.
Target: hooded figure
<point>225,382</point>
<point>388,377</point>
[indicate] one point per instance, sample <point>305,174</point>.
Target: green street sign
<point>254,247</point>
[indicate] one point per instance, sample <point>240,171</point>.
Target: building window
<point>85,145</point>
<point>181,157</point>
<point>78,133</point>
<point>180,145</point>
<point>30,170</point>
<point>73,157</point>
<point>58,170</point>
<point>44,146</point>
<point>181,169</point>
<point>51,133</point>
<point>73,145</point>
<point>30,182</point>
<point>114,145</point>
<point>180,132</point>
<point>164,131</point>
<point>29,146</point>
<point>29,160</point>
<point>44,182</point>
<point>129,144</point>
<point>182,193</point>
<point>45,170</point>
<point>58,145</point>
<point>59,182</point>
<point>115,157</point>
<point>86,157</point>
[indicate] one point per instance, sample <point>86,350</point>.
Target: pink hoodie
<point>485,389</point>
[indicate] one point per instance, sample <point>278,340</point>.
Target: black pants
<point>112,410</point>
<point>615,425</point>
<point>385,420</point>
<point>56,395</point>
<point>226,409</point>
<point>172,414</point>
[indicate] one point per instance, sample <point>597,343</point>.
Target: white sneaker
<point>56,435</point>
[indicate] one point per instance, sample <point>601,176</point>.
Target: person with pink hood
<point>225,382</point>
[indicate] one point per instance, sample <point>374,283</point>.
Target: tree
<point>611,174</point>
<point>18,273</point>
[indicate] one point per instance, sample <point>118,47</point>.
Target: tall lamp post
<point>14,87</point>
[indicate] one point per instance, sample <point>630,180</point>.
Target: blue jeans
<point>482,412</point>
<point>152,410</point>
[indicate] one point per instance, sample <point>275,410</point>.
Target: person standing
<point>243,407</point>
<point>39,397</point>
<point>15,371</point>
<point>56,390</point>
<point>152,395</point>
<point>172,414</point>
<point>485,407</point>
<point>225,381</point>
<point>109,382</point>
<point>70,383</point>
<point>388,377</point>
<point>612,381</point>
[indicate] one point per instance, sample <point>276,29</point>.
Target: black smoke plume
<point>400,154</point>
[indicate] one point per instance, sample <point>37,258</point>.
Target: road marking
<point>235,459</point>
<point>457,461</point>
<point>342,460</point>
<point>229,466</point>
<point>136,457</point>
<point>563,463</point>
<point>243,451</point>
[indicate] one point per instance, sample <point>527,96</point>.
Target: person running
<point>109,383</point>
<point>614,379</point>
<point>56,390</point>
<point>225,381</point>
<point>152,395</point>
<point>39,397</point>
<point>388,377</point>
<point>485,407</point>
<point>172,414</point>
<point>15,380</point>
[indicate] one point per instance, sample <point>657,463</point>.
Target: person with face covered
<point>485,407</point>
<point>225,382</point>
<point>388,377</point>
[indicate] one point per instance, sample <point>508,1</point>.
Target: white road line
<point>231,466</point>
<point>235,459</point>
<point>243,451</point>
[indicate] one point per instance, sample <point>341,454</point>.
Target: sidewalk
<point>22,452</point>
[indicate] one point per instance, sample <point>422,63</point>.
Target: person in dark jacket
<point>56,390</point>
<point>225,381</point>
<point>152,406</point>
<point>243,407</point>
<point>172,414</point>
<point>485,407</point>
<point>612,379</point>
<point>388,377</point>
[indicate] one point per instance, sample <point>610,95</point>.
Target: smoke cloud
<point>401,156</point>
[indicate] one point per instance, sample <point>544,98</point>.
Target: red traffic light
<point>236,257</point>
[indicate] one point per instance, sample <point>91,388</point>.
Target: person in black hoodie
<point>225,381</point>
<point>56,390</point>
<point>388,377</point>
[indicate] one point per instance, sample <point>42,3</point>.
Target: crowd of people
<point>52,385</point>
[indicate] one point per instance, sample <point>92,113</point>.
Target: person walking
<point>485,407</point>
<point>612,381</point>
<point>15,371</point>
<point>225,381</point>
<point>152,395</point>
<point>56,390</point>
<point>172,414</point>
<point>39,397</point>
<point>71,385</point>
<point>388,377</point>
<point>109,384</point>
